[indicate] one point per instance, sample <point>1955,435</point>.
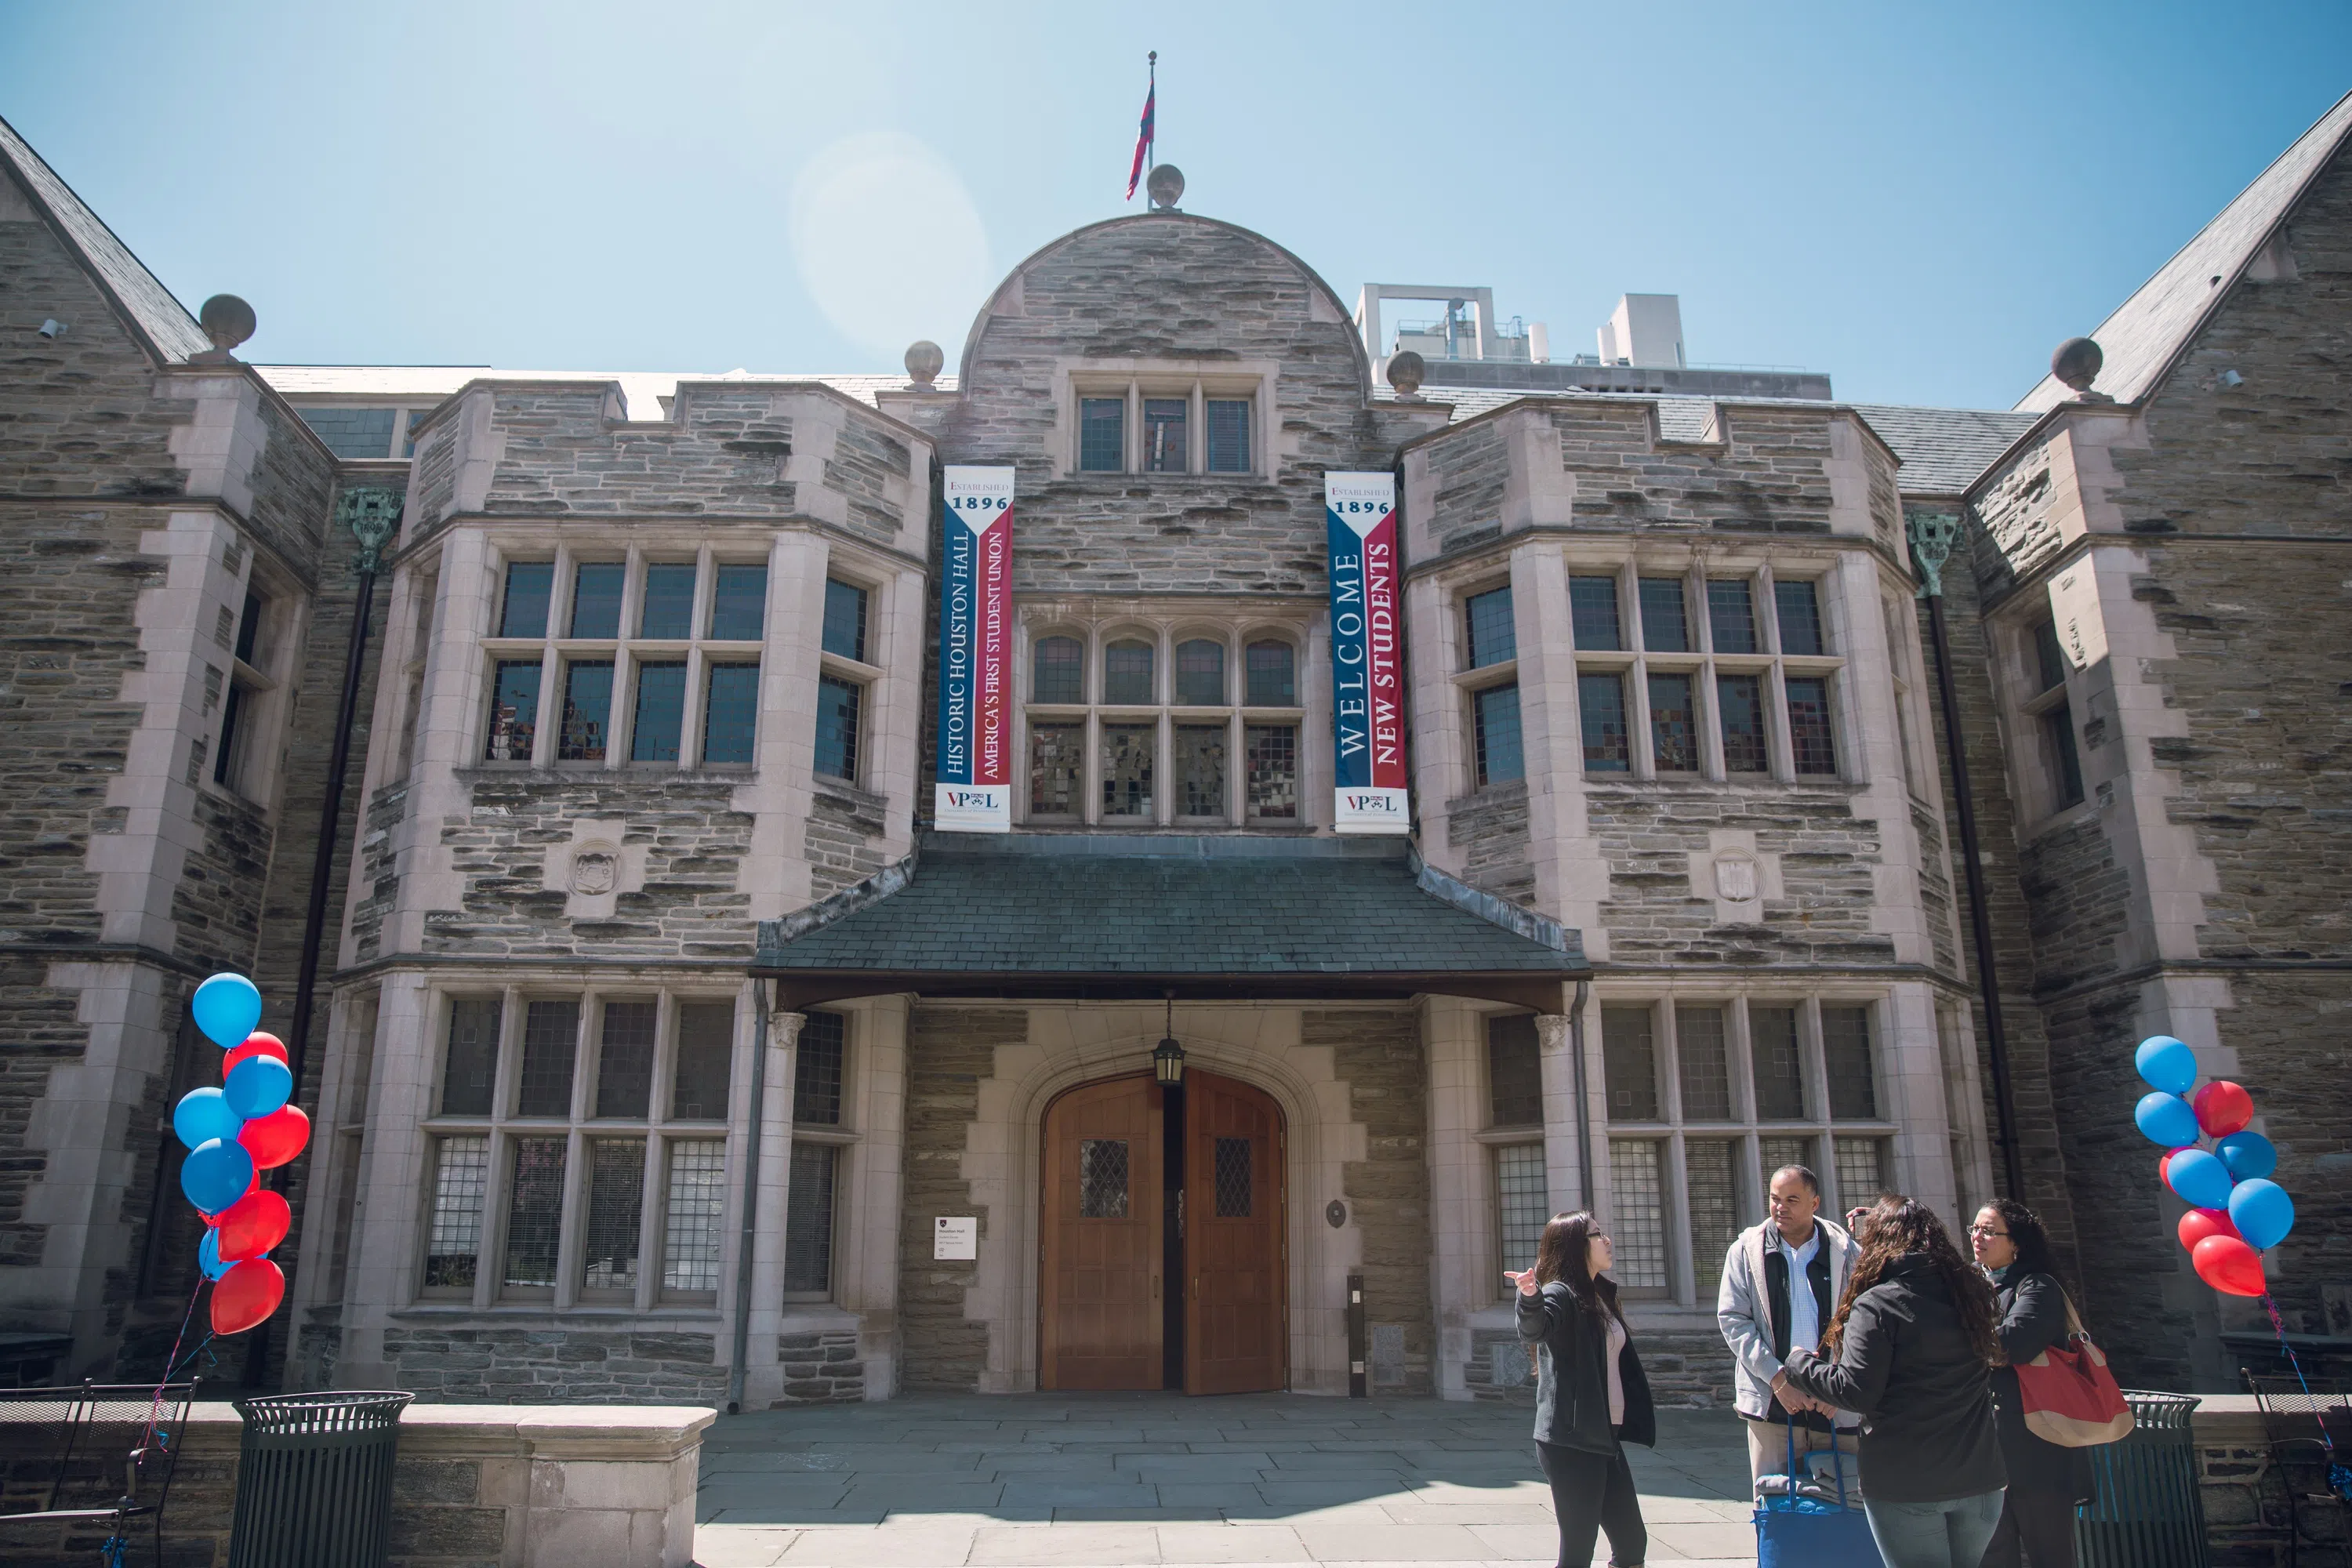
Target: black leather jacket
<point>2033,1319</point>
<point>1924,1394</point>
<point>1572,1377</point>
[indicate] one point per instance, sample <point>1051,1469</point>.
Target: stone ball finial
<point>1405,372</point>
<point>924,361</point>
<point>1165,184</point>
<point>2077,363</point>
<point>229,321</point>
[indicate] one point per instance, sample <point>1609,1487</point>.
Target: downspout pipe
<point>1933,536</point>
<point>745,1239</point>
<point>1583,1104</point>
<point>372,514</point>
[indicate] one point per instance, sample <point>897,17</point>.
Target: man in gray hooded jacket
<point>1781,1283</point>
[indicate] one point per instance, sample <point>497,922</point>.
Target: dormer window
<point>1135,420</point>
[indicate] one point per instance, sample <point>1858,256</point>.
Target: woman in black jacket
<point>1912,1349</point>
<point>2045,1480</point>
<point>1590,1394</point>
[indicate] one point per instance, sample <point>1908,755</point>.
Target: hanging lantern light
<point>1168,1060</point>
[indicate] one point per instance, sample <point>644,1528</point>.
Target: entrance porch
<point>1108,1480</point>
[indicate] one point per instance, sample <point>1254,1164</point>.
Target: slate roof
<point>1943,449</point>
<point>2147,331</point>
<point>1321,915</point>
<point>172,334</point>
<point>640,391</point>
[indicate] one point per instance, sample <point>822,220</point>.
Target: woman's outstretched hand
<point>1524,1279</point>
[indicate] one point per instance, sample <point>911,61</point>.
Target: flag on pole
<point>1144,134</point>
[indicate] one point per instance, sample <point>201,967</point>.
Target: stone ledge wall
<point>584,1367</point>
<point>820,1369</point>
<point>510,1485</point>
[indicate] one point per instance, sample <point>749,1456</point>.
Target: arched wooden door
<point>1101,1309</point>
<point>1235,1326</point>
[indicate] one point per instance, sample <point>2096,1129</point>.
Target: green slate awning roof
<point>1044,916</point>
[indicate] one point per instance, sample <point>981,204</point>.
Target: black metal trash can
<point>314,1479</point>
<point>2145,1510</point>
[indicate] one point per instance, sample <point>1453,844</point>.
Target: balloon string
<point>2278,1326</point>
<point>155,1405</point>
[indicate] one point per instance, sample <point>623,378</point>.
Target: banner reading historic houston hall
<point>974,794</point>
<point>1367,681</point>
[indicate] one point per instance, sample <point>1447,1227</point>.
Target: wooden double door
<point>1163,1241</point>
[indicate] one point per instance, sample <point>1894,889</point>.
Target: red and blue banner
<point>975,789</point>
<point>1367,670</point>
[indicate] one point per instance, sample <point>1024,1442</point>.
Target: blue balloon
<point>215,1174</point>
<point>2248,1154</point>
<point>2263,1212</point>
<point>2167,1064</point>
<point>2169,1121</point>
<point>208,1255</point>
<point>259,1085</point>
<point>2201,1179</point>
<point>227,1007</point>
<point>204,1115</point>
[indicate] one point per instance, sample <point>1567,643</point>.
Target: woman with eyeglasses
<point>2045,1480</point>
<point>1590,1394</point>
<point>1911,1349</point>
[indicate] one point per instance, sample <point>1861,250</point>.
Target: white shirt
<point>1804,1312</point>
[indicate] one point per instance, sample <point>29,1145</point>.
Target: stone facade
<point>1740,806</point>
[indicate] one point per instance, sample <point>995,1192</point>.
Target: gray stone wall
<point>1491,829</point>
<point>689,907</point>
<point>555,1361</point>
<point>820,1369</point>
<point>949,1051</point>
<point>563,450</point>
<point>1379,1056</point>
<point>843,841</point>
<point>1648,832</point>
<point>1165,287</point>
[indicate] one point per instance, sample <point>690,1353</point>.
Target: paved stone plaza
<point>1009,1481</point>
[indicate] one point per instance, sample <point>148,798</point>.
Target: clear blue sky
<point>1921,201</point>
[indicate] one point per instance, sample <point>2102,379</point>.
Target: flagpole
<point>1152,155</point>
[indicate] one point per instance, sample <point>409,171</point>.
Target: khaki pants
<point>1768,1448</point>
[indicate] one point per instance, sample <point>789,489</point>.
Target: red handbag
<point>2069,1396</point>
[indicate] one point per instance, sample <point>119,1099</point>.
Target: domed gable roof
<point>1162,286</point>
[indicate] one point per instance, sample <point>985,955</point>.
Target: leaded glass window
<point>1127,768</point>
<point>1127,673</point>
<point>1630,1056</point>
<point>668,613</point>
<point>704,1061</point>
<point>1494,720</point>
<point>534,1212</point>
<point>1271,679</point>
<point>1846,1062</point>
<point>844,620</point>
<point>1057,769</point>
<point>469,1071</point>
<point>1705,1074</point>
<point>1102,435</point>
<point>1711,1190</point>
<point>1164,448</point>
<point>1665,619</point>
<point>1779,1075</point>
<point>660,716</point>
<point>817,1071</point>
<point>1514,1072</point>
<point>1741,700</point>
<point>587,712</point>
<point>596,588</point>
<point>1731,615</point>
<point>1201,770</point>
<point>550,1033</point>
<point>1229,434</point>
<point>1200,674</point>
<point>1592,611</point>
<point>461,1183</point>
<point>1812,745</point>
<point>1601,705</point>
<point>1799,608</point>
<point>691,1238</point>
<point>1674,724</point>
<point>1494,637</point>
<point>739,605</point>
<point>1273,763</point>
<point>625,1059</point>
<point>1235,1173</point>
<point>838,705</point>
<point>1521,1202</point>
<point>809,1219</point>
<point>1057,673</point>
<point>1637,1217</point>
<point>1102,1178</point>
<point>616,1200</point>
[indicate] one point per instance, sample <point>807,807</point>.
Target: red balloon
<point>2223,1108</point>
<point>251,1291</point>
<point>256,1045</point>
<point>274,1138</point>
<point>2230,1265</point>
<point>2198,1224</point>
<point>253,1225</point>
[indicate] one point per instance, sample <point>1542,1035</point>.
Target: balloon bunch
<point>2235,1209</point>
<point>233,1134</point>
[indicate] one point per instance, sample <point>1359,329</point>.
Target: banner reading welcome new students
<point>974,794</point>
<point>1367,681</point>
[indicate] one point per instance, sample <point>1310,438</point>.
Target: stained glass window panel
<point>550,1037</point>
<point>668,614</point>
<point>1273,764</point>
<point>1601,704</point>
<point>617,1206</point>
<point>1628,1054</point>
<point>469,1066</point>
<point>1201,770</point>
<point>1637,1219</point>
<point>1127,767</point>
<point>691,1238</point>
<point>1705,1073</point>
<point>461,1179</point>
<point>1674,724</point>
<point>625,1059</point>
<point>534,1212</point>
<point>1056,768</point>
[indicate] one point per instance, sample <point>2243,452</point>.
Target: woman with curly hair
<point>1590,1394</point>
<point>1911,1349</point>
<point>2045,1480</point>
